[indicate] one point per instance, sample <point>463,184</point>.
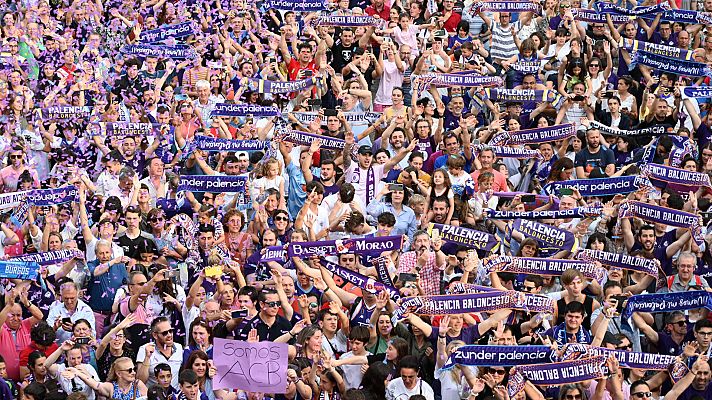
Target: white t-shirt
<point>76,384</point>
<point>358,177</point>
<point>396,390</point>
<point>352,373</point>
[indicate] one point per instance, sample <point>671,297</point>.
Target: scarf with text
<point>536,135</point>
<point>526,67</point>
<point>504,6</point>
<point>243,110</point>
<point>610,8</point>
<point>499,356</point>
<point>274,253</point>
<point>663,302</point>
<point>349,20</point>
<point>696,92</point>
<point>467,237</point>
<point>556,374</point>
<point>381,265</point>
<point>124,129</point>
<point>578,212</point>
<point>662,63</point>
<point>212,183</point>
<point>633,45</point>
<point>533,301</point>
<point>364,282</point>
<point>675,176</point>
<point>543,266</point>
<point>591,16</point>
<point>24,270</point>
<point>298,5</point>
<point>520,153</point>
<point>306,117</point>
<point>48,257</point>
<point>623,261</point>
<point>549,237</point>
<point>366,245</point>
<point>663,215</point>
<point>169,31</point>
<point>421,83</point>
<point>63,113</point>
<point>649,131</point>
<point>600,186</point>
<point>209,143</point>
<point>160,51</point>
<point>282,87</point>
<point>505,95</point>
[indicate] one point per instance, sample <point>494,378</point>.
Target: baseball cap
<point>365,149</point>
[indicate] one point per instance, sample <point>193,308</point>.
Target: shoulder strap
<point>133,390</point>
<point>670,280</point>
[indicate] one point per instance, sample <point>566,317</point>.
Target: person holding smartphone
<point>393,199</point>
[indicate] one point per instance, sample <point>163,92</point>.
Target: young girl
<point>459,179</point>
<point>271,179</point>
<point>482,199</point>
<point>441,187</point>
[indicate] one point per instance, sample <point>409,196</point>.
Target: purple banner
<point>676,176</point>
<point>467,237</point>
<point>623,261</point>
<point>542,266</point>
<point>663,215</point>
<point>547,235</point>
<point>500,356</point>
<point>364,282</point>
<point>578,212</point>
<point>664,302</point>
<point>536,135</point>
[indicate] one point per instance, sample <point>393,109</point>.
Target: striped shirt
<point>503,46</point>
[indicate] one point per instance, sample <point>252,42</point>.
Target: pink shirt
<point>500,182</point>
<point>11,345</point>
<point>142,315</point>
<point>10,176</point>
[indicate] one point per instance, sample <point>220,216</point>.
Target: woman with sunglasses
<point>121,383</point>
<point>572,392</point>
<point>115,342</point>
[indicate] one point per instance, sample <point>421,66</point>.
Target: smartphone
<point>262,197</point>
<point>82,340</point>
<point>396,187</point>
<point>330,113</point>
<point>579,98</point>
<point>172,273</point>
<point>180,97</point>
<point>566,191</point>
<point>621,301</point>
<point>528,198</point>
<point>475,141</point>
<point>239,313</point>
<point>435,235</point>
<point>315,104</point>
<point>406,277</point>
<point>308,72</point>
<point>67,321</point>
<point>271,60</point>
<point>608,94</point>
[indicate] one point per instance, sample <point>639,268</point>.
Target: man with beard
<point>594,161</point>
<point>327,172</point>
<point>695,385</point>
<point>659,116</point>
<point>427,259</point>
<point>162,350</point>
<point>364,175</point>
<point>269,324</point>
<point>647,243</point>
<point>132,158</point>
<point>441,208</point>
<point>342,53</point>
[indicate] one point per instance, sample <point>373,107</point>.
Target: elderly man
<point>156,180</point>
<point>107,274</point>
<point>62,315</point>
<point>15,331</point>
<point>685,279</point>
<point>427,258</point>
<point>205,103</point>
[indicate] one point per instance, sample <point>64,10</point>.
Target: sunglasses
<point>281,219</point>
<point>626,347</point>
<point>155,219</point>
<point>166,332</point>
<point>594,65</point>
<point>681,324</point>
<point>573,397</point>
<point>643,395</point>
<point>496,371</point>
<point>528,289</point>
<point>129,370</point>
<point>273,303</point>
<point>15,156</point>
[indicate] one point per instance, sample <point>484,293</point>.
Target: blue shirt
<point>102,288</point>
<point>406,223</point>
<point>297,186</point>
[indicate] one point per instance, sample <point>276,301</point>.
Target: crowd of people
<point>584,144</point>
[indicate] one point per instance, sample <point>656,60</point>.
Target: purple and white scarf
<point>208,143</point>
<point>124,129</point>
<point>610,8</point>
<point>578,212</point>
<point>212,183</point>
<point>601,186</point>
<point>591,16</point>
<point>556,374</point>
<point>696,92</point>
<point>63,113</point>
<point>505,95</point>
<point>463,79</point>
<point>283,87</point>
<point>663,215</point>
<point>509,152</point>
<point>364,282</point>
<point>543,266</point>
<point>547,235</point>
<point>499,356</point>
<point>274,253</point>
<point>664,302</point>
<point>298,5</point>
<point>349,20</point>
<point>160,51</point>
<point>676,176</point>
<point>465,236</point>
<point>533,301</point>
<point>608,130</point>
<point>623,261</point>
<point>654,48</point>
<point>48,257</point>
<point>243,110</point>
<point>373,245</point>
<point>169,31</point>
<point>504,6</point>
<point>536,135</point>
<point>676,66</point>
<point>307,117</point>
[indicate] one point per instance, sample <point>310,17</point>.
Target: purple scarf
<point>663,215</point>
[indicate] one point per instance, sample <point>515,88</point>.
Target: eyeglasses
<point>624,347</point>
<point>496,371</point>
<point>119,336</point>
<point>281,219</point>
<point>565,6</point>
<point>273,303</point>
<point>129,370</point>
<point>573,396</point>
<point>166,332</point>
<point>643,395</point>
<point>704,333</point>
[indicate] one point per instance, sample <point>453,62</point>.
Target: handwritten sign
<point>254,367</point>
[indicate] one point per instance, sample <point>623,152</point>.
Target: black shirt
<point>130,246</point>
<point>265,332</point>
<point>342,55</point>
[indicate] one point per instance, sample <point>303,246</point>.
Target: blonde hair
<point>111,376</point>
